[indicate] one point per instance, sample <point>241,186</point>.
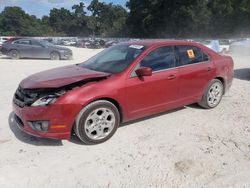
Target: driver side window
<point>160,59</point>
<point>22,42</point>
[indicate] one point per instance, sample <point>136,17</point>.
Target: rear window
<point>191,55</point>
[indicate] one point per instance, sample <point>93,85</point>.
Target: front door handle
<point>171,77</point>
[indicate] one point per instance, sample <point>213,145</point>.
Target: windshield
<point>115,59</point>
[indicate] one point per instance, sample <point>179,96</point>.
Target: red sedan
<point>122,83</point>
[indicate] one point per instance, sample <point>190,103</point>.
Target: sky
<point>42,7</point>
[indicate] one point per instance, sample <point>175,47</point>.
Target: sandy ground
<point>187,147</point>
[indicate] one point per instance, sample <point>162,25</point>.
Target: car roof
<point>157,42</point>
<point>26,39</point>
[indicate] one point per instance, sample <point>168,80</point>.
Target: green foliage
<point>188,18</point>
<point>14,21</point>
<point>147,18</point>
<point>106,19</point>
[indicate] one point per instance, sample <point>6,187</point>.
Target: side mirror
<point>144,71</point>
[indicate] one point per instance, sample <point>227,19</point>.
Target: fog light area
<point>39,126</point>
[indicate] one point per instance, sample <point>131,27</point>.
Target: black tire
<point>14,54</point>
<point>86,112</point>
<point>55,56</point>
<point>205,98</point>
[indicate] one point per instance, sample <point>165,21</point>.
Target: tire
<point>14,54</point>
<point>55,56</point>
<point>97,122</point>
<point>213,94</point>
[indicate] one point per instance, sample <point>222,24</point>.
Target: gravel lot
<point>187,147</point>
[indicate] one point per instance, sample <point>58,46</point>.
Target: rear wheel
<point>54,56</point>
<point>213,94</point>
<point>14,54</point>
<point>97,122</point>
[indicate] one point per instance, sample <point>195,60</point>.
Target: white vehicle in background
<point>224,46</point>
<point>240,47</point>
<point>2,40</point>
<point>219,46</point>
<point>212,44</point>
<point>69,43</point>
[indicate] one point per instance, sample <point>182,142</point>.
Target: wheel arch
<point>113,101</point>
<point>55,51</point>
<point>222,81</point>
<point>15,49</point>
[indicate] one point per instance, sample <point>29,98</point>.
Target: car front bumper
<point>66,55</point>
<point>61,119</point>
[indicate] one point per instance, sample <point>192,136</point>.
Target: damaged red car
<point>122,83</point>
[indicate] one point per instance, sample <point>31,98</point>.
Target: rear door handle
<point>171,77</point>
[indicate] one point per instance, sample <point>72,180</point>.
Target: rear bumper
<point>61,119</point>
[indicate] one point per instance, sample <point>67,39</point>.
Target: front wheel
<point>213,94</point>
<point>54,56</point>
<point>97,122</point>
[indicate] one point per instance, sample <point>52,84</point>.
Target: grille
<point>24,97</point>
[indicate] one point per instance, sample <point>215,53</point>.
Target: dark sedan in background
<point>33,48</point>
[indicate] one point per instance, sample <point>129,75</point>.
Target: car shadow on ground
<point>196,106</point>
<point>242,74</point>
<point>4,57</point>
<point>74,139</point>
<point>26,138</point>
<point>152,116</point>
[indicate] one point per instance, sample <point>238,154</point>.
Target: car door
<point>152,94</point>
<point>38,51</point>
<point>196,70</point>
<point>23,47</point>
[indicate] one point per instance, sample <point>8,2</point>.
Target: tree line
<point>144,19</point>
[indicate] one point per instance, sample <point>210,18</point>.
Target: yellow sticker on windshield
<point>190,53</point>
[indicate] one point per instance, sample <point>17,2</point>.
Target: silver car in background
<point>33,48</point>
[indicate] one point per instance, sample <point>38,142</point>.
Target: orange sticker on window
<point>190,54</point>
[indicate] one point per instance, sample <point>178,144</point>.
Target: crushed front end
<point>37,113</point>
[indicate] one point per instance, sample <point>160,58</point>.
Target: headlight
<point>43,101</point>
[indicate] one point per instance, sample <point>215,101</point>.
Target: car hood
<point>58,77</point>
